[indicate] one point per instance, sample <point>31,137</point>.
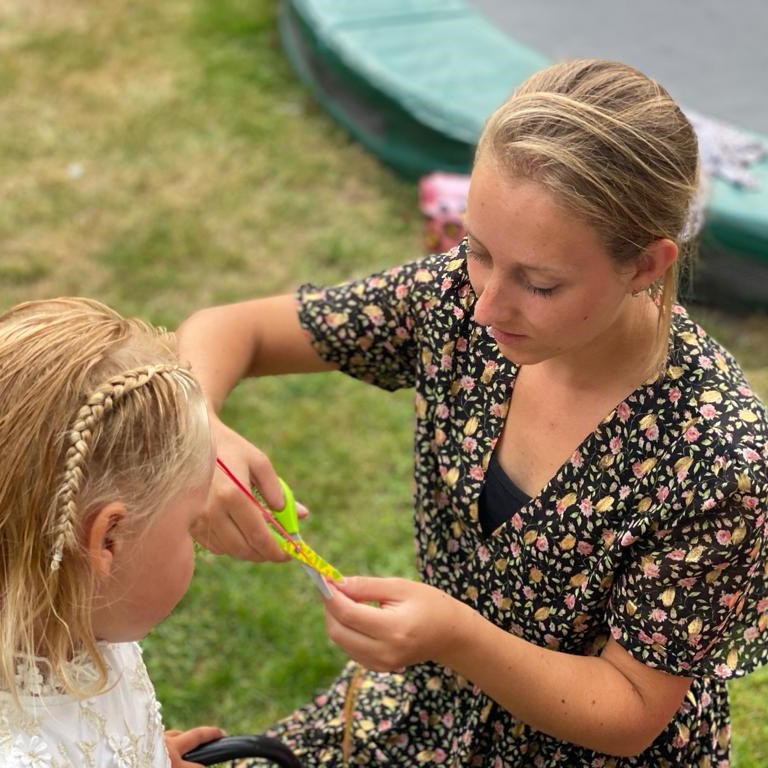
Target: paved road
<point>711,55</point>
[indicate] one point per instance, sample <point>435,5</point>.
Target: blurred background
<point>711,56</point>
<point>166,156</point>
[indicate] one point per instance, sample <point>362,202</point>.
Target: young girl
<point>107,463</point>
<point>590,465</point>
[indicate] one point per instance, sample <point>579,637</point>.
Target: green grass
<point>163,157</point>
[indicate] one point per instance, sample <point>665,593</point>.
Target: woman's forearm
<point>610,703</point>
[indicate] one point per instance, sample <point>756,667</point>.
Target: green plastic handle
<point>287,516</point>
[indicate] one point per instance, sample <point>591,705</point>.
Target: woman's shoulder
<point>701,366</point>
<point>440,282</point>
<point>427,278</point>
<point>715,411</point>
<point>437,274</point>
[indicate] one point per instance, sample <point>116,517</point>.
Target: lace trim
<point>34,676</point>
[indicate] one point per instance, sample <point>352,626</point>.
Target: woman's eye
<point>536,291</point>
<point>475,254</point>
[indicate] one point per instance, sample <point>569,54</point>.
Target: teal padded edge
<point>370,115</point>
<point>737,219</point>
<point>443,62</point>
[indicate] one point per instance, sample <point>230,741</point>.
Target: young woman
<point>590,465</point>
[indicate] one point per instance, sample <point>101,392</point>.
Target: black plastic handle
<point>232,747</point>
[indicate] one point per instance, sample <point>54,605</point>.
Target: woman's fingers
<point>233,523</point>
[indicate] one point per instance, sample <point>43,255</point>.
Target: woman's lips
<point>504,337</point>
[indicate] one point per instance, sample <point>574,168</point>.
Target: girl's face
<point>546,285</point>
<point>151,570</point>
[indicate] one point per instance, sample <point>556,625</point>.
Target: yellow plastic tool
<point>317,568</point>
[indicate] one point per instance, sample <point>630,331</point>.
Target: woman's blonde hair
<point>613,146</point>
<point>93,408</point>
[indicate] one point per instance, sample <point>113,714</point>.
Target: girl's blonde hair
<point>613,146</point>
<point>93,408</point>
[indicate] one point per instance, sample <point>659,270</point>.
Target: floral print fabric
<point>120,728</point>
<point>653,532</point>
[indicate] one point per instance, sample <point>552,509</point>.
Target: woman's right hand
<point>232,524</point>
<point>222,345</point>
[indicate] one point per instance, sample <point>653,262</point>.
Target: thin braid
<point>80,437</point>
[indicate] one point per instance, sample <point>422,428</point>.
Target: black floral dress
<point>653,532</point>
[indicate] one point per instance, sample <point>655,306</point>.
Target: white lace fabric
<point>120,728</point>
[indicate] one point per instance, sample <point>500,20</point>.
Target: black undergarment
<point>500,498</point>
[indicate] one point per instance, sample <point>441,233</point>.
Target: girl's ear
<point>653,263</point>
<point>104,538</point>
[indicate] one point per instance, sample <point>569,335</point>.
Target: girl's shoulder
<point>121,726</point>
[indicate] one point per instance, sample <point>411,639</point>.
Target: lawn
<point>163,157</point>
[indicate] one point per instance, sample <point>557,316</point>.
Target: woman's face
<point>546,285</point>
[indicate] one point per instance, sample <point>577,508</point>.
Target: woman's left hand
<point>407,623</point>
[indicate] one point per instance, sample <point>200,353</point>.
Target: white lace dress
<point>120,728</point>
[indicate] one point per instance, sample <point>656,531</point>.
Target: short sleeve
<point>692,599</point>
<point>370,327</point>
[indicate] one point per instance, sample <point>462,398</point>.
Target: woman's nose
<point>489,304</point>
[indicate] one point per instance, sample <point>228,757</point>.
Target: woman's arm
<point>609,703</point>
<point>261,337</point>
<point>223,345</point>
